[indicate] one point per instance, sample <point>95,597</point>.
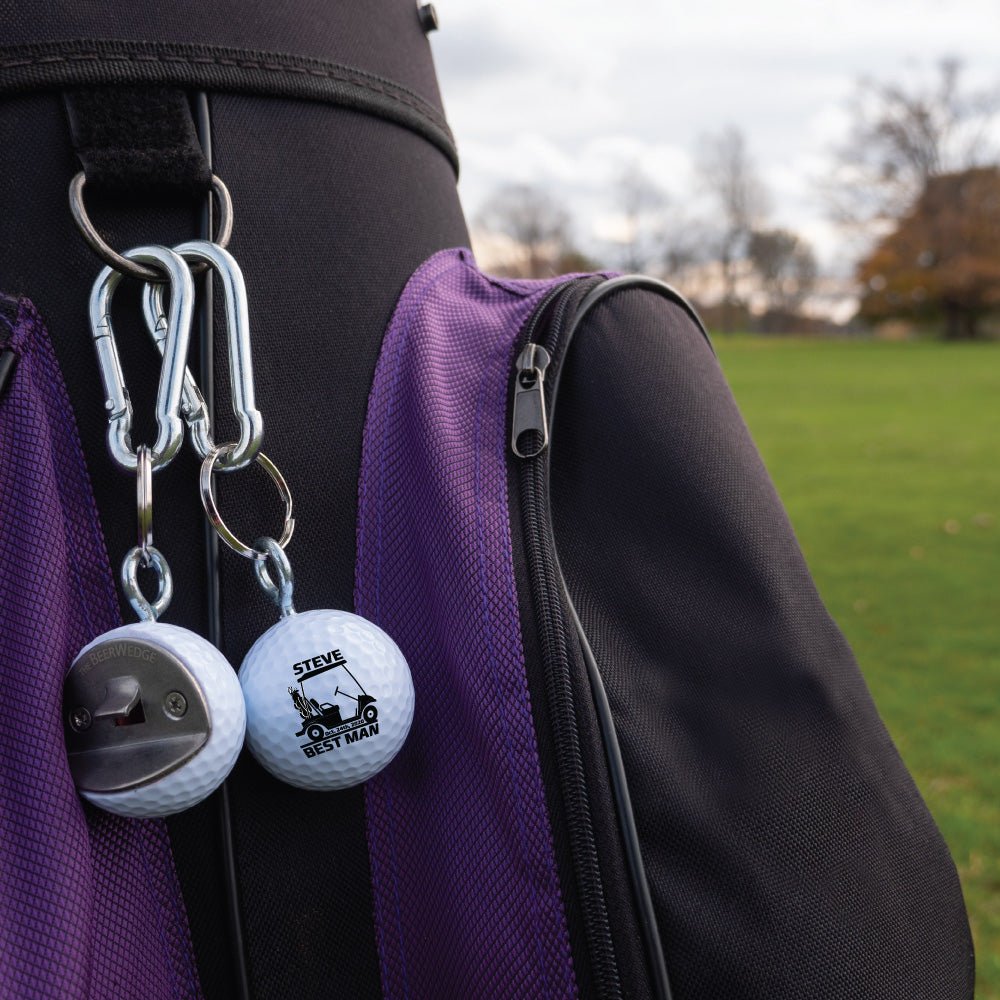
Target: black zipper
<point>529,440</point>
<point>545,342</point>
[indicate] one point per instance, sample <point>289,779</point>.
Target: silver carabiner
<point>176,336</point>
<point>196,415</point>
<point>194,409</point>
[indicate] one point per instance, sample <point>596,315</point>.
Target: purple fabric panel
<point>467,899</point>
<point>89,903</point>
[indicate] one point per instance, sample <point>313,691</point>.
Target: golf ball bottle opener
<point>154,715</point>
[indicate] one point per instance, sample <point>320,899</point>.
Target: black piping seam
<point>57,65</point>
<point>206,374</point>
<point>636,281</point>
<point>626,816</point>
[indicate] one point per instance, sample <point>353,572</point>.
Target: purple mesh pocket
<point>89,903</point>
<point>467,899</point>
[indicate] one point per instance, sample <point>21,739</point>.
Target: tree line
<point>914,188</point>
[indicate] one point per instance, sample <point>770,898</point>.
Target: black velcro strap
<point>137,139</point>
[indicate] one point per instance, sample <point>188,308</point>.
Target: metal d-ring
<point>212,510</point>
<point>251,423</point>
<point>148,611</point>
<point>274,557</point>
<point>122,264</point>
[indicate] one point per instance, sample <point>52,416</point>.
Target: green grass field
<point>887,456</point>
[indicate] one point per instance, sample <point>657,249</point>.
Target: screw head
<point>175,705</point>
<point>80,720</point>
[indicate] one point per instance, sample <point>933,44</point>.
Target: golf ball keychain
<point>154,714</point>
<point>328,694</point>
<point>329,697</point>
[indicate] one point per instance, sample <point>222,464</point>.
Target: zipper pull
<point>529,400</point>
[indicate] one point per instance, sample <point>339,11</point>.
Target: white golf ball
<point>329,699</point>
<point>200,775</point>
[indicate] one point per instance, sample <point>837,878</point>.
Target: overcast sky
<point>566,94</point>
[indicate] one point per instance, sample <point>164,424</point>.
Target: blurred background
<point>824,183</point>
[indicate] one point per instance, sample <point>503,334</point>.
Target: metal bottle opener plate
<point>133,713</point>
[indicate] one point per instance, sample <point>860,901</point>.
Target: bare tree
<point>729,177</point>
<point>785,265</point>
<point>642,203</point>
<point>902,134</point>
<point>535,220</point>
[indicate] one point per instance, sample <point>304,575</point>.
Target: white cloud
<point>567,92</point>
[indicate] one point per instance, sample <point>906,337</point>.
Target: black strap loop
<point>137,140</point>
<point>65,64</point>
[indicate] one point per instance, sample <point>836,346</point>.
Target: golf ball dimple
<point>329,699</point>
<point>199,776</point>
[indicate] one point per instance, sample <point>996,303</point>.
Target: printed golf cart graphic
<point>335,708</point>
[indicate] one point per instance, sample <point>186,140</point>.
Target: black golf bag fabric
<point>786,850</point>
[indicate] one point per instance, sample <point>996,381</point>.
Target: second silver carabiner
<point>176,336</point>
<point>242,452</point>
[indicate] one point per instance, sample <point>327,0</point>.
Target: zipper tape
<point>530,436</point>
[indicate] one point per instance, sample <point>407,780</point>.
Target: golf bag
<point>643,762</point>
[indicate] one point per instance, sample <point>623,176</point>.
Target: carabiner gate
<point>242,452</point>
<point>176,337</point>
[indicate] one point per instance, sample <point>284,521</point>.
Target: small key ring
<point>144,500</point>
<point>122,264</point>
<point>148,611</point>
<point>212,510</point>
